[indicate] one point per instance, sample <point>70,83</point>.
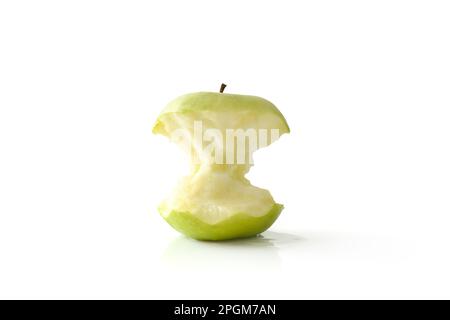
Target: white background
<point>364,174</point>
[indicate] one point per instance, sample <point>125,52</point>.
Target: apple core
<point>216,201</point>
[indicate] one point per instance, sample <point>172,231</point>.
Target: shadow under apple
<point>257,253</point>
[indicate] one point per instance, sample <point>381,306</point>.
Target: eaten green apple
<point>216,201</point>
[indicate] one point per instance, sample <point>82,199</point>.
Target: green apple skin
<point>219,102</point>
<point>238,226</point>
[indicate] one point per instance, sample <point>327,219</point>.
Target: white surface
<point>364,176</point>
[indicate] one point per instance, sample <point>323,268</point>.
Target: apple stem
<point>222,87</point>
